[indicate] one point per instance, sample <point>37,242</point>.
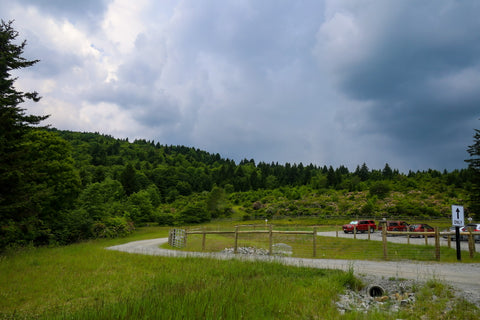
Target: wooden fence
<point>268,230</point>
<point>436,235</point>
<point>270,233</point>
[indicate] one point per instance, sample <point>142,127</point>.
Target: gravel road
<point>377,236</point>
<point>462,276</point>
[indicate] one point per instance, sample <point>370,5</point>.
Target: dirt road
<point>464,276</point>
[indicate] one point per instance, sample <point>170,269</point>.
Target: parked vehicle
<point>421,227</point>
<point>393,225</point>
<point>452,230</point>
<point>475,228</point>
<point>361,225</point>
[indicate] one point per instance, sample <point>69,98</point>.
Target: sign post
<point>458,220</point>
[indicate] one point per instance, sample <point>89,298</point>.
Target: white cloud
<point>59,35</point>
<point>123,22</point>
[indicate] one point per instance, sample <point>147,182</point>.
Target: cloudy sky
<point>327,82</point>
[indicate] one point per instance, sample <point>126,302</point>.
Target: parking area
<point>377,236</point>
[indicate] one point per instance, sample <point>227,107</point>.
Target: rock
<point>282,249</point>
<point>381,299</point>
<point>403,303</point>
<point>279,249</point>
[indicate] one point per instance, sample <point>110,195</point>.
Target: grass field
<point>85,281</point>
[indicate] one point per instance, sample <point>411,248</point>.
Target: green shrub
<point>112,227</point>
<point>381,189</point>
<point>164,219</point>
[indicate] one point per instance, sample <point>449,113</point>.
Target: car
<point>421,227</point>
<point>393,225</point>
<point>360,225</point>
<point>452,231</point>
<point>475,227</point>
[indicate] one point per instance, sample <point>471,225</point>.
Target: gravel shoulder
<point>462,276</point>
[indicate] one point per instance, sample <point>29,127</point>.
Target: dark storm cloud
<point>416,75</point>
<point>330,82</point>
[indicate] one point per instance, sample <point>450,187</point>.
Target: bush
<point>140,206</point>
<point>73,226</point>
<point>164,219</point>
<point>194,213</point>
<point>112,227</point>
<point>246,217</point>
<point>380,189</point>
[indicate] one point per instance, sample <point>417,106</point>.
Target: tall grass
<point>210,289</point>
<point>85,281</point>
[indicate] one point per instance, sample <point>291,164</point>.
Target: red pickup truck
<point>361,225</point>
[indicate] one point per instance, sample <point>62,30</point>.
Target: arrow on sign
<point>458,213</point>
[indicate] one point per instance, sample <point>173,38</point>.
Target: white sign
<point>457,216</point>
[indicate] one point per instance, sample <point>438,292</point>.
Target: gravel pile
<point>247,250</point>
<point>279,249</point>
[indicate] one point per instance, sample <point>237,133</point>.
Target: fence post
<point>354,232</point>
<point>449,240</point>
<point>314,241</point>
<point>336,230</point>
<point>384,240</point>
<point>471,243</point>
<point>270,246</point>
<point>437,244</point>
<point>426,239</point>
<point>408,237</point>
<point>203,240</point>
<point>235,248</point>
<point>368,233</point>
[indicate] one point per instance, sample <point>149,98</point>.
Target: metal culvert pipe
<point>375,290</point>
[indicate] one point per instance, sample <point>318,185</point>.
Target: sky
<point>328,82</point>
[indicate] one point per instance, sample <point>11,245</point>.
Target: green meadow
<point>85,281</point>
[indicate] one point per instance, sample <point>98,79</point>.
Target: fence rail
<point>436,235</point>
<point>270,232</point>
<point>178,238</point>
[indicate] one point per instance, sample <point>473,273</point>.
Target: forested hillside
<point>103,187</point>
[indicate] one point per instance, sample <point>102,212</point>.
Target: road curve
<point>459,275</point>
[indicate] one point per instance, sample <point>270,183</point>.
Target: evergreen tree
<point>387,172</point>
<point>331,177</point>
<point>363,172</point>
<point>14,125</point>
<point>474,166</point>
<point>216,202</point>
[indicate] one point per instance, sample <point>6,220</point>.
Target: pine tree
<point>14,123</point>
<point>474,166</point>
